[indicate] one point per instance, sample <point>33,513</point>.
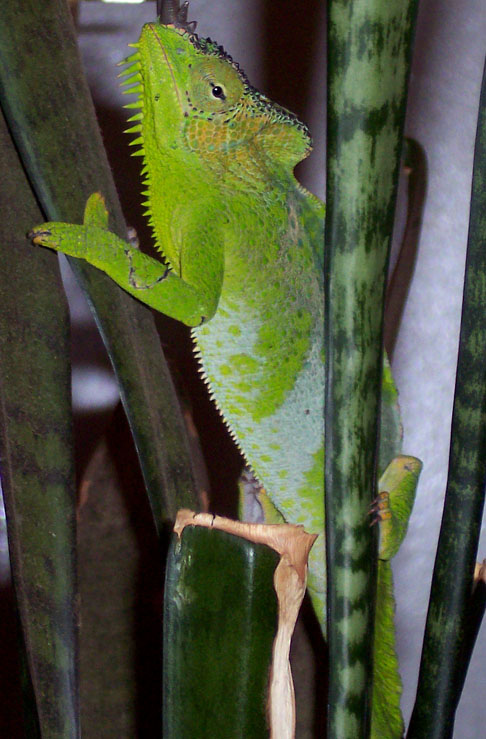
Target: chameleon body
<point>243,241</point>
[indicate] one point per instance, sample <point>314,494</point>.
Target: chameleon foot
<point>60,237</point>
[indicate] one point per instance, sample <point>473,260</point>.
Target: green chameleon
<point>242,242</point>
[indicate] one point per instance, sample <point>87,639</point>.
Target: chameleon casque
<point>242,242</point>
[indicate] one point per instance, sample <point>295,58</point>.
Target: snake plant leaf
<point>447,628</point>
<point>368,51</point>
<point>220,622</point>
<point>36,455</point>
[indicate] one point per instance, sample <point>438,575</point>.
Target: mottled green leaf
<point>36,453</point>
<point>368,62</point>
<point>442,665</point>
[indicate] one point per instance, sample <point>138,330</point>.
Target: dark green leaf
<point>447,630</point>
<point>220,619</point>
<point>36,456</point>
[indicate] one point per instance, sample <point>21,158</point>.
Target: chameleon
<point>242,245</point>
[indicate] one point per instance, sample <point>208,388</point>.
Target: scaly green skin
<point>244,244</point>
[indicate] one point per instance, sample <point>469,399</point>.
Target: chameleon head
<point>180,78</point>
<point>197,98</point>
<point>201,125</point>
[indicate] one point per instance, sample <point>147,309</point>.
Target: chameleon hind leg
<point>394,503</point>
<point>391,510</point>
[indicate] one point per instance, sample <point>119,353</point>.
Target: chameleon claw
<point>39,235</point>
<point>379,510</point>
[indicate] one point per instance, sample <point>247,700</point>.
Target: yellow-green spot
<point>244,363</point>
<point>315,476</point>
<point>244,387</point>
<point>236,411</point>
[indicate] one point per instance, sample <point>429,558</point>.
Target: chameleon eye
<point>214,85</point>
<point>217,92</point>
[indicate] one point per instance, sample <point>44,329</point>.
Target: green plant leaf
<point>442,666</point>
<point>36,454</point>
<point>220,619</point>
<point>368,52</point>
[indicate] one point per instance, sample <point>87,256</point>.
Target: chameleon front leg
<point>147,279</point>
